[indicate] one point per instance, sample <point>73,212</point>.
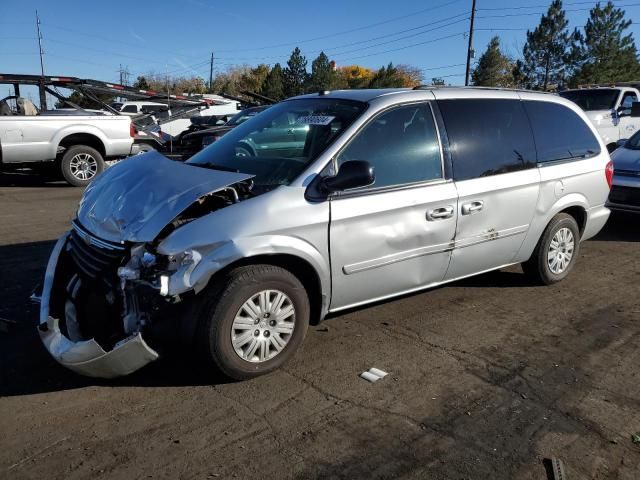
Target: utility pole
<point>43,95</point>
<point>124,75</point>
<point>470,48</point>
<point>211,73</point>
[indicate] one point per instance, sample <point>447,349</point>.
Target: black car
<point>195,141</point>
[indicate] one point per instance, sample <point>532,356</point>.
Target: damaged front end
<point>103,292</point>
<point>88,322</point>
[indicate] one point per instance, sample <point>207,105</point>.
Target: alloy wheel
<point>263,326</point>
<point>560,251</point>
<point>83,166</point>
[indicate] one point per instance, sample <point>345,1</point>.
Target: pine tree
<point>295,75</point>
<point>548,52</point>
<point>322,75</point>
<point>608,54</point>
<point>141,83</point>
<point>386,78</point>
<point>494,68</point>
<point>273,86</point>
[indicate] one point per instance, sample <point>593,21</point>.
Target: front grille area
<point>625,195</point>
<point>92,256</point>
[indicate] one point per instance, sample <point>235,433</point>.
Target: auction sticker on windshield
<point>315,120</point>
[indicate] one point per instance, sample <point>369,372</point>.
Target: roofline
<point>461,87</point>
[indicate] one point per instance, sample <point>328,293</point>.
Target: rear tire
<point>253,321</point>
<point>80,164</point>
<point>556,252</point>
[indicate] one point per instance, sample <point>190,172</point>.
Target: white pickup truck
<point>76,143</point>
<point>609,109</point>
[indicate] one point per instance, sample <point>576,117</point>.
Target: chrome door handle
<point>440,213</point>
<point>469,208</point>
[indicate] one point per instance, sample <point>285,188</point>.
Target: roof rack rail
<point>505,89</point>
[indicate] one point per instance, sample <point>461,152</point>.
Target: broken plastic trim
<point>87,357</point>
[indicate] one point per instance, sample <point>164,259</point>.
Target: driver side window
<point>401,144</point>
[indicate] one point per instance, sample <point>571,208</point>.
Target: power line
<point>399,39</point>
<point>351,30</point>
<point>407,46</point>
<point>524,14</point>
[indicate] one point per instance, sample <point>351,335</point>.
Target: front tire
<point>80,164</point>
<point>556,252</point>
<point>254,320</point>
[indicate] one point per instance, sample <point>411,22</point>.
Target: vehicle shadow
<point>29,178</point>
<point>621,227</point>
<point>26,368</point>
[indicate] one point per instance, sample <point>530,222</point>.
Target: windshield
<point>243,116</point>
<point>277,145</point>
<point>634,142</point>
<point>595,99</point>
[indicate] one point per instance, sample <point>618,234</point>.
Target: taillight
<point>608,173</point>
<point>132,130</point>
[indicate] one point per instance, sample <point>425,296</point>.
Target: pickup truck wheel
<point>80,164</point>
<point>556,252</point>
<point>254,320</point>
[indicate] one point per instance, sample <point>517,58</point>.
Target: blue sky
<point>92,39</point>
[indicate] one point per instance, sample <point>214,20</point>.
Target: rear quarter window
<point>559,132</point>
<point>487,137</point>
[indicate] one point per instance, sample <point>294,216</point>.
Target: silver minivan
<point>357,197</point>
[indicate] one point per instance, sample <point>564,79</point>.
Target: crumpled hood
<point>136,198</point>
<point>626,159</point>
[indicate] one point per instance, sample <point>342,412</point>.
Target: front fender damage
<point>85,356</point>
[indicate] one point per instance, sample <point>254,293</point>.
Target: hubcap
<point>83,166</point>
<point>560,251</point>
<point>263,326</point>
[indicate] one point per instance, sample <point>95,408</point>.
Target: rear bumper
<point>87,357</point>
<point>596,219</point>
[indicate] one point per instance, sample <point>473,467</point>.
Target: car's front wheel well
<point>302,269</point>
<point>579,214</point>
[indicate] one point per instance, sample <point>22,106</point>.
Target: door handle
<point>440,213</point>
<point>472,207</point>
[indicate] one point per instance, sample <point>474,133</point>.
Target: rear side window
<point>487,137</point>
<point>560,133</point>
<point>130,109</point>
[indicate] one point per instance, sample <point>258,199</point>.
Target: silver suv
<point>387,192</point>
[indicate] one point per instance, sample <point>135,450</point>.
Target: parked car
<point>139,108</point>
<point>625,193</point>
<point>378,193</point>
<point>609,109</point>
<point>195,140</point>
<point>76,143</point>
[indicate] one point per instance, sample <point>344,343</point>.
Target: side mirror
<point>352,174</point>
<point>621,142</point>
<point>635,109</point>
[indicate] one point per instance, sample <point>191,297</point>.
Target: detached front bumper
<point>87,357</point>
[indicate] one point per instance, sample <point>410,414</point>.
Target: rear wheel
<point>556,252</point>
<point>80,164</point>
<point>254,320</point>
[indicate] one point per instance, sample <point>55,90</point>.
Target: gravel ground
<point>488,377</point>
